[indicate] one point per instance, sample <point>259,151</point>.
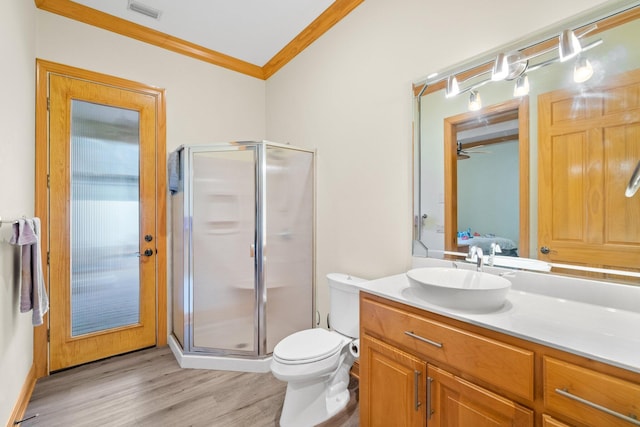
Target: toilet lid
<point>308,346</point>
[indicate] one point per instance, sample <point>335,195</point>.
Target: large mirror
<point>530,149</point>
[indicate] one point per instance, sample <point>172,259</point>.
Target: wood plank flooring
<point>148,388</point>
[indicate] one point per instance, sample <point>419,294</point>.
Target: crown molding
<point>78,12</point>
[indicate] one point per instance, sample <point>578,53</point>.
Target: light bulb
<point>475,103</point>
<point>522,86</point>
<point>582,70</point>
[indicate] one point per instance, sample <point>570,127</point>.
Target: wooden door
<point>588,147</point>
<point>392,386</point>
<point>459,403</point>
<point>102,220</point>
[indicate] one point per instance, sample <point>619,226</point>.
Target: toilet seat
<point>308,346</point>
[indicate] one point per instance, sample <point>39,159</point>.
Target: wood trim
<point>331,16</point>
<point>40,350</point>
<point>78,12</point>
<point>23,398</point>
<point>161,221</point>
<point>603,25</point>
<point>87,15</point>
<point>40,341</point>
<point>494,114</point>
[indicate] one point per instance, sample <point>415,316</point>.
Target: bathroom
<point>361,128</point>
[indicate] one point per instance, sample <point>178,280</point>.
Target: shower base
<point>220,363</point>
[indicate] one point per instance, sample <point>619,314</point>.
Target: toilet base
<point>311,402</point>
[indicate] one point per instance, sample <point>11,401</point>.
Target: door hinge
<point>48,335</point>
<point>48,180</point>
<point>48,103</point>
<point>48,257</point>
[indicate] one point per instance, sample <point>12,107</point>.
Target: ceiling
<point>254,37</point>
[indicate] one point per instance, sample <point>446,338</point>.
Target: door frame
<point>43,69</point>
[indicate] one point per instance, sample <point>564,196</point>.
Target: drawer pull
<point>429,410</point>
<point>566,393</point>
<point>416,389</point>
<point>423,339</point>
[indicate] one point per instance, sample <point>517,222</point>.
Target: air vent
<point>138,7</point>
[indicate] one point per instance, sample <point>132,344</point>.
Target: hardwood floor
<point>148,388</point>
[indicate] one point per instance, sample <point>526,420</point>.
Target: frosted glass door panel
<point>289,242</point>
<point>223,232</point>
<point>105,217</point>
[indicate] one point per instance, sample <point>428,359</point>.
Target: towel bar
<point>7,221</point>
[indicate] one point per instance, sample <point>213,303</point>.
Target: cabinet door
<point>459,403</point>
<point>549,421</point>
<point>392,386</point>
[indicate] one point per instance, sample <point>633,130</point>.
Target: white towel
<point>33,295</point>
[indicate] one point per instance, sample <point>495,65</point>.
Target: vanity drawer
<point>505,366</point>
<point>587,395</point>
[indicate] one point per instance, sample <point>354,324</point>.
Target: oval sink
<point>459,289</point>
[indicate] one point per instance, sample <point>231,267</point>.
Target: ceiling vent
<point>143,9</point>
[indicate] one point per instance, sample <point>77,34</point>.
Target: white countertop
<point>608,335</point>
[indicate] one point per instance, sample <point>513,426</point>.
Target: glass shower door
<point>223,225</point>
<point>289,242</point>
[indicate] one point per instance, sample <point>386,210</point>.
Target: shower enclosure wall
<point>243,241</point>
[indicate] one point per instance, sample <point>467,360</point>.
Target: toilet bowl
<point>315,363</point>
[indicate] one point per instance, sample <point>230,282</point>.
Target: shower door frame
<point>259,243</point>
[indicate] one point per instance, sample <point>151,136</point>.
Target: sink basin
<point>459,289</point>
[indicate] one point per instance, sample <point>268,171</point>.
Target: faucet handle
<point>495,248</point>
<point>472,253</point>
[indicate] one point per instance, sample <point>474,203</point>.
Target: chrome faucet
<point>495,249</point>
<point>476,254</point>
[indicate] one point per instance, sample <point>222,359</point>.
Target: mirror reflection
<point>532,149</point>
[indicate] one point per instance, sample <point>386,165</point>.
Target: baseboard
<point>23,398</point>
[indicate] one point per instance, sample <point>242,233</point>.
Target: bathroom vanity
<point>541,360</point>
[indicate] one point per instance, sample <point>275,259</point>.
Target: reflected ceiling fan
<point>466,153</point>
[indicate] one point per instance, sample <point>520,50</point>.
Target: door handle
<point>148,237</point>
<point>148,252</point>
<point>545,250</point>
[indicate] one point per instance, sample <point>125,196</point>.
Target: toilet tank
<point>344,305</point>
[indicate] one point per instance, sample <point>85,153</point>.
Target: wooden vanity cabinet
<point>419,368</point>
<point>395,393</point>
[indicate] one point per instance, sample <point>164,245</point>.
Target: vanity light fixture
<point>475,102</point>
<point>583,70</point>
<point>452,87</point>
<point>514,64</point>
<point>521,87</point>
<point>500,69</point>
<point>569,45</point>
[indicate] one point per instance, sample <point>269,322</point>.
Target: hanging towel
<point>173,166</point>
<point>33,295</point>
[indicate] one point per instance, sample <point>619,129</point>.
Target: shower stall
<point>243,249</point>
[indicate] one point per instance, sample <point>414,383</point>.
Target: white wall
<point>205,103</point>
<point>349,96</point>
<point>17,121</point>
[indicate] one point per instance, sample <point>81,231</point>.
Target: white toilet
<point>316,362</point>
